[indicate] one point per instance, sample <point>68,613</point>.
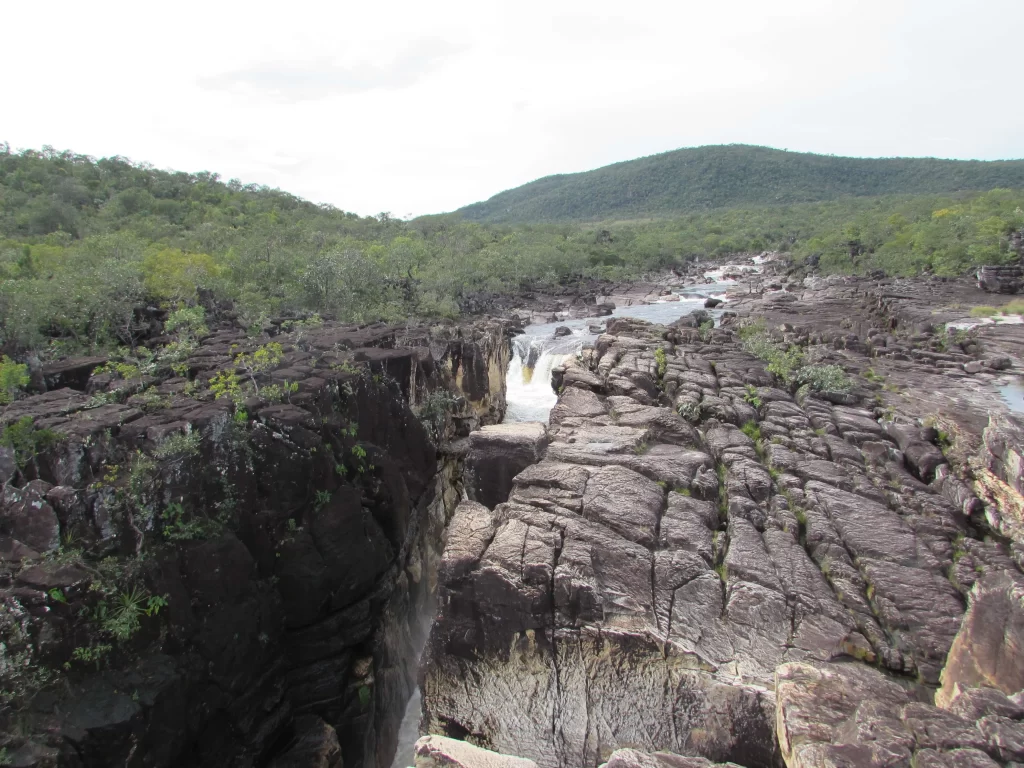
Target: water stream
<point>537,351</point>
<point>530,396</point>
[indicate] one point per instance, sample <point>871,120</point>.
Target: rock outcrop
<point>774,578</point>
<point>497,453</point>
<point>442,752</point>
<point>247,580</point>
<point>1007,279</point>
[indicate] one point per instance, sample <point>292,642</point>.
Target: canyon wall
<point>191,580</point>
<point>705,564</point>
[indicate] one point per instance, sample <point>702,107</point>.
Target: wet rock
<point>295,548</point>
<point>562,330</point>
<point>711,302</point>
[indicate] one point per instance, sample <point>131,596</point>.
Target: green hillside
<point>87,246</point>
<point>706,178</point>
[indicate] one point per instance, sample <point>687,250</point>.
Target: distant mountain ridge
<point>710,177</point>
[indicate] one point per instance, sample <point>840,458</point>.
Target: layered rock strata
<point>702,585</point>
<point>187,580</point>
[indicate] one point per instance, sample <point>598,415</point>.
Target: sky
<point>416,108</point>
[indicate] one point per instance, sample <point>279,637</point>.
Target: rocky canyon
<point>785,531</point>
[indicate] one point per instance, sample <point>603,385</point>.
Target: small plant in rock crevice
<point>435,410</point>
<point>751,398</point>
<point>26,441</point>
<point>321,499</point>
<point>752,430</point>
<point>661,362</point>
<point>690,410</point>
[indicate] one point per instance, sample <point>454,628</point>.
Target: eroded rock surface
<point>774,578</point>
<point>290,542</point>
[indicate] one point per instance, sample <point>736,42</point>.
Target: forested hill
<point>86,243</point>
<point>706,178</point>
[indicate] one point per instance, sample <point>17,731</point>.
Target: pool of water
<point>1013,396</point>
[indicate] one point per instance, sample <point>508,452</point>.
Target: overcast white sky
<point>421,107</point>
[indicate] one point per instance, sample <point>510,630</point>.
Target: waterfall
<point>528,383</point>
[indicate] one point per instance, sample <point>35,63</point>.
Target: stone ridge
<point>294,542</point>
<point>703,587</point>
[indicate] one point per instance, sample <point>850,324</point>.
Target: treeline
<point>716,177</point>
<point>935,234</point>
<point>84,243</point>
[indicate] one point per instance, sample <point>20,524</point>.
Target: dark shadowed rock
<point>316,746</point>
<point>499,452</point>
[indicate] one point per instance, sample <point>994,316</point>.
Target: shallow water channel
<point>530,396</point>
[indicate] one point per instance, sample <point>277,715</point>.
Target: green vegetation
<point>752,430</point>
<point>690,411</point>
<point>751,398</point>
<point>84,243</point>
<point>1015,307</point>
<point>26,441</point>
<point>704,178</point>
<point>789,364</point>
<point>433,412</point>
<point>13,378</point>
<point>661,362</point>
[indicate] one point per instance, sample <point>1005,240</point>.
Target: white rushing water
<point>530,396</point>
<point>537,351</point>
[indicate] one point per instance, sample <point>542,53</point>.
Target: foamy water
<point>537,352</point>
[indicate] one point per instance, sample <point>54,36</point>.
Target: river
<point>530,396</point>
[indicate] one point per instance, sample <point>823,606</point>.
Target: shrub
<point>750,397</point>
<point>690,410</point>
<point>662,362</point>
<point>434,410</point>
<point>1015,307</point>
<point>752,430</point>
<point>823,378</point>
<point>13,378</point>
<point>26,441</point>
<point>187,320</point>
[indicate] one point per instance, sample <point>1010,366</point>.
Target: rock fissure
<point>788,595</point>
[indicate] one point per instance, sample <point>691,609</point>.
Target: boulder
<point>499,452</point>
<point>316,746</point>
<point>443,752</point>
<point>563,330</point>
<point>711,302</point>
<point>989,649</point>
<point>1001,279</point>
<point>632,758</point>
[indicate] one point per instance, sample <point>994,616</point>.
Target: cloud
<point>596,28</point>
<point>295,81</point>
